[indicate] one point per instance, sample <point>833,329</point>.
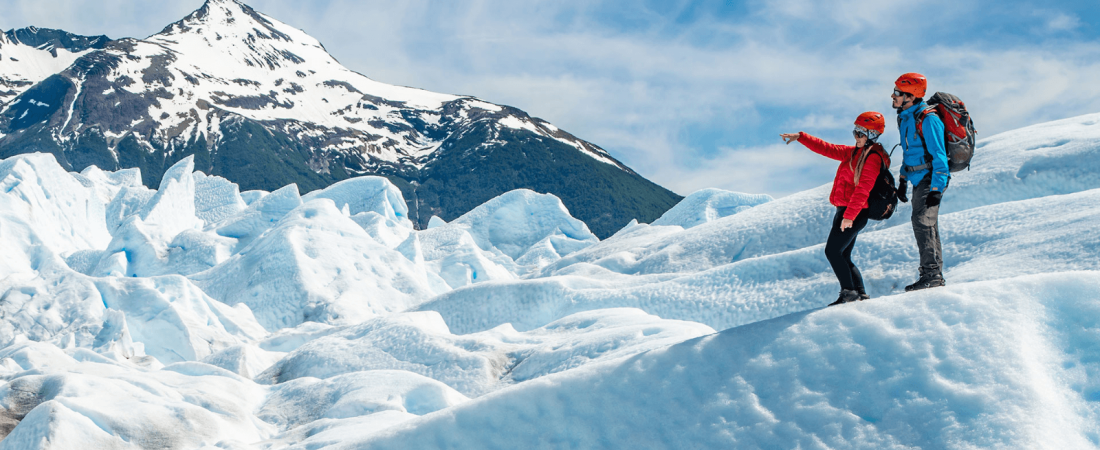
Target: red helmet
<point>912,83</point>
<point>872,121</point>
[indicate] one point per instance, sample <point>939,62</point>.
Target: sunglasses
<point>898,93</point>
<point>863,132</point>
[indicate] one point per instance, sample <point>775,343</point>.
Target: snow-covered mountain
<point>30,55</point>
<point>263,104</point>
<point>198,316</point>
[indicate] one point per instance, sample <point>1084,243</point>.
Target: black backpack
<point>883,199</point>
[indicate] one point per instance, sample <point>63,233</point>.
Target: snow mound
<point>515,221</point>
<point>987,365</point>
<point>245,360</point>
<point>708,205</point>
<point>305,400</point>
<point>367,194</point>
<point>479,363</point>
<point>166,317</point>
<point>320,413</point>
<point>455,256</point>
<point>511,235</point>
<point>106,405</point>
<point>261,214</point>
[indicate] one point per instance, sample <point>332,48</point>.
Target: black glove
<point>903,191</point>
<point>933,198</point>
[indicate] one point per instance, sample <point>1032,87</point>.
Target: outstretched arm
<point>833,151</point>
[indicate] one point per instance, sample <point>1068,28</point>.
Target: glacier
<point>197,316</point>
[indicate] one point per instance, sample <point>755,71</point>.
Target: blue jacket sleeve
<point>933,138</point>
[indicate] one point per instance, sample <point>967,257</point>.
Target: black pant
<point>838,250</point>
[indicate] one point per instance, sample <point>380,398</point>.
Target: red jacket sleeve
<point>867,179</point>
<point>837,152</point>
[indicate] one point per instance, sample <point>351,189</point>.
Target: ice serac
<point>262,104</point>
<point>315,264</point>
<point>216,198</point>
<point>172,208</point>
<point>517,221</point>
<point>367,194</point>
<point>708,205</point>
<point>166,317</point>
<point>45,211</point>
<point>147,240</point>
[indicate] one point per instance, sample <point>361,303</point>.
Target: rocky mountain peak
<point>50,40</point>
<point>30,55</point>
<point>227,17</point>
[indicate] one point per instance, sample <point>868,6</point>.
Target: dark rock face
<point>46,38</point>
<point>285,117</point>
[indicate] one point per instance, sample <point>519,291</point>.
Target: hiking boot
<point>846,296</point>
<point>863,296</point>
<point>925,282</point>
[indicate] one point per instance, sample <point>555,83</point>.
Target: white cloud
<point>1060,22</point>
<point>114,18</point>
<point>777,170</point>
<point>644,91</point>
<point>814,121</point>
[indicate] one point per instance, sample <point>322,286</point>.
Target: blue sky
<point>691,94</point>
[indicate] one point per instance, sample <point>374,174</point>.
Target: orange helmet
<point>871,121</point>
<point>912,83</point>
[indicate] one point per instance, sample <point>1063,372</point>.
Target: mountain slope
<point>30,55</point>
<point>264,105</point>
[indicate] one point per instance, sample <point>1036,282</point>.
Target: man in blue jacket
<point>925,165</point>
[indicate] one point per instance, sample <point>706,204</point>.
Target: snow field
<point>83,401</point>
<point>1005,240</point>
<point>998,364</point>
<point>474,364</point>
<point>325,320</point>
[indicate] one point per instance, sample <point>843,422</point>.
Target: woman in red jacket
<point>859,168</point>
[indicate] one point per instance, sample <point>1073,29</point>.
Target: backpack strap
<point>883,159</point>
<point>919,119</point>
